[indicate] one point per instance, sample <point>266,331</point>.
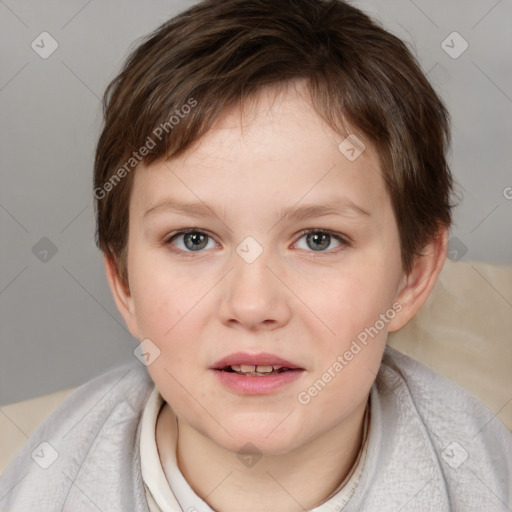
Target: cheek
<point>161,299</point>
<point>355,301</point>
<point>357,308</point>
<point>347,360</point>
<point>166,309</point>
<point>156,312</point>
<point>169,308</point>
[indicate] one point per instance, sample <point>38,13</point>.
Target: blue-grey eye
<point>191,241</point>
<point>318,241</point>
<point>195,241</point>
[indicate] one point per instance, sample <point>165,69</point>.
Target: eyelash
<point>342,239</point>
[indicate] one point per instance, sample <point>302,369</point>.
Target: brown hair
<point>185,74</point>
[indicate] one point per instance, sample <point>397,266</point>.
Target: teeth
<point>264,368</point>
<point>251,369</point>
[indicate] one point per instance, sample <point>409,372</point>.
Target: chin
<point>261,435</point>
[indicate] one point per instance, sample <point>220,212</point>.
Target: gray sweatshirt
<point>431,447</point>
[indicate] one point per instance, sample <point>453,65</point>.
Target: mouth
<point>255,365</point>
<point>256,374</point>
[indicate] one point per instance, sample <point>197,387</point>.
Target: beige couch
<point>464,331</point>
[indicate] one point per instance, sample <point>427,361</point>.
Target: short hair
<point>191,69</point>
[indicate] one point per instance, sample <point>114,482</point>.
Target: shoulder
<point>472,447</point>
<point>90,431</point>
<point>125,387</point>
<point>436,397</point>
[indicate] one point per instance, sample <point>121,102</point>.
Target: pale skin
<point>295,300</point>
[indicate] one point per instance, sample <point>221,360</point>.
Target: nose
<point>254,296</point>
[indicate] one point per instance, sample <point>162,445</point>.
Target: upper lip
<point>261,359</point>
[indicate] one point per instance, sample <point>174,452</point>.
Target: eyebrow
<point>194,209</point>
<point>340,206</point>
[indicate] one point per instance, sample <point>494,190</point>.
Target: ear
<point>417,285</point>
<point>122,296</point>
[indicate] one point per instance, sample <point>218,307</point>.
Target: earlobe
<point>122,295</point>
<point>417,285</point>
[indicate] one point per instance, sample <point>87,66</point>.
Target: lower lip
<point>250,385</point>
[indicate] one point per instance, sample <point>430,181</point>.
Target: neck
<point>290,482</point>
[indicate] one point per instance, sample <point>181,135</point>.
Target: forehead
<point>274,147</point>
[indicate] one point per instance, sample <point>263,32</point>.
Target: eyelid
<point>184,231</point>
<point>341,237</point>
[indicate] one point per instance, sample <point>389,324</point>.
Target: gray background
<point>58,323</point>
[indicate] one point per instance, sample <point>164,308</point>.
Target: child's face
<point>303,305</point>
